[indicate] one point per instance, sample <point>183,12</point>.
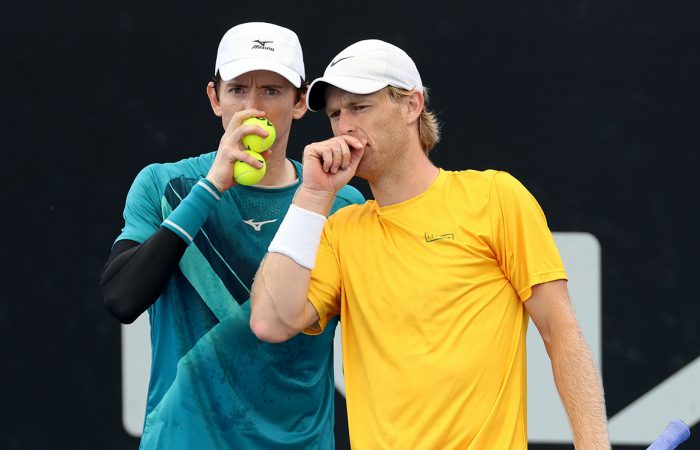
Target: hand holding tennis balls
<point>258,143</point>
<point>244,173</point>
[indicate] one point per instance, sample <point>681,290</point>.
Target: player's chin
<point>363,168</point>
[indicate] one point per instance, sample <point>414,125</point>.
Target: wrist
<point>314,200</point>
<point>299,235</point>
<point>217,185</point>
<point>189,216</point>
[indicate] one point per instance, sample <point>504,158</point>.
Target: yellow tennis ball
<point>246,174</point>
<point>257,143</point>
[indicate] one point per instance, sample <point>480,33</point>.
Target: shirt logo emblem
<point>436,237</point>
<point>257,226</point>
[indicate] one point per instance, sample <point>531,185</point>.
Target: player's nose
<point>346,124</point>
<point>252,102</point>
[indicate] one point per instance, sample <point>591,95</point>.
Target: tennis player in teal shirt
<point>191,244</point>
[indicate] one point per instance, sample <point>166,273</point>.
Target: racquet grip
<point>675,434</point>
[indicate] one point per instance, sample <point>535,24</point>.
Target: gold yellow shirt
<point>430,293</point>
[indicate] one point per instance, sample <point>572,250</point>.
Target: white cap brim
<point>233,69</point>
<point>316,98</point>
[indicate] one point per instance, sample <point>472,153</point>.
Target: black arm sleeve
<point>136,274</point>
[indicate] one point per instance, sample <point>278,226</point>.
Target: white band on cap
<point>298,236</point>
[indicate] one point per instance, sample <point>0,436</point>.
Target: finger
<point>249,159</point>
<point>232,136</point>
<point>341,156</point>
<point>355,158</point>
<point>244,114</point>
<point>240,116</point>
<point>245,130</point>
<point>352,141</point>
<point>337,154</point>
<point>346,155</point>
<point>326,153</point>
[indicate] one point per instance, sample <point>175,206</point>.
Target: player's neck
<point>404,180</point>
<point>280,171</point>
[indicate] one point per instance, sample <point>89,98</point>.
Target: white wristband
<point>298,236</point>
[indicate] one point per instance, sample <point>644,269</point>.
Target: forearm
<point>279,304</point>
<point>580,389</point>
<point>575,374</point>
<point>136,274</point>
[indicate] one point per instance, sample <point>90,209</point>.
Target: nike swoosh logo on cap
<point>338,60</point>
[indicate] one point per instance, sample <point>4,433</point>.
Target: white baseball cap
<point>260,46</point>
<point>363,68</point>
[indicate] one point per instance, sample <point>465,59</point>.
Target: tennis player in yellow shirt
<point>434,280</point>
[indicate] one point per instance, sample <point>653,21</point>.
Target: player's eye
<point>334,114</point>
<point>271,91</point>
<point>235,90</point>
<point>360,107</point>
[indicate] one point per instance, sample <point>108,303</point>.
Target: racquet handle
<point>675,434</point>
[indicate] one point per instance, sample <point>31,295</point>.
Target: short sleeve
<point>142,212</point>
<point>324,287</point>
<point>522,241</point>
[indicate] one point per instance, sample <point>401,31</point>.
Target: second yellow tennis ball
<point>246,174</point>
<point>258,143</point>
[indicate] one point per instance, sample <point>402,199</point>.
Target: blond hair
<point>428,124</point>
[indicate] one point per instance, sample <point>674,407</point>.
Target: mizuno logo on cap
<point>338,60</point>
<point>262,45</point>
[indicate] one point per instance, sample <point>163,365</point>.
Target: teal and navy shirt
<point>213,383</point>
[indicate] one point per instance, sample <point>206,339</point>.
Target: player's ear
<point>414,106</point>
<point>300,105</point>
<point>214,98</point>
